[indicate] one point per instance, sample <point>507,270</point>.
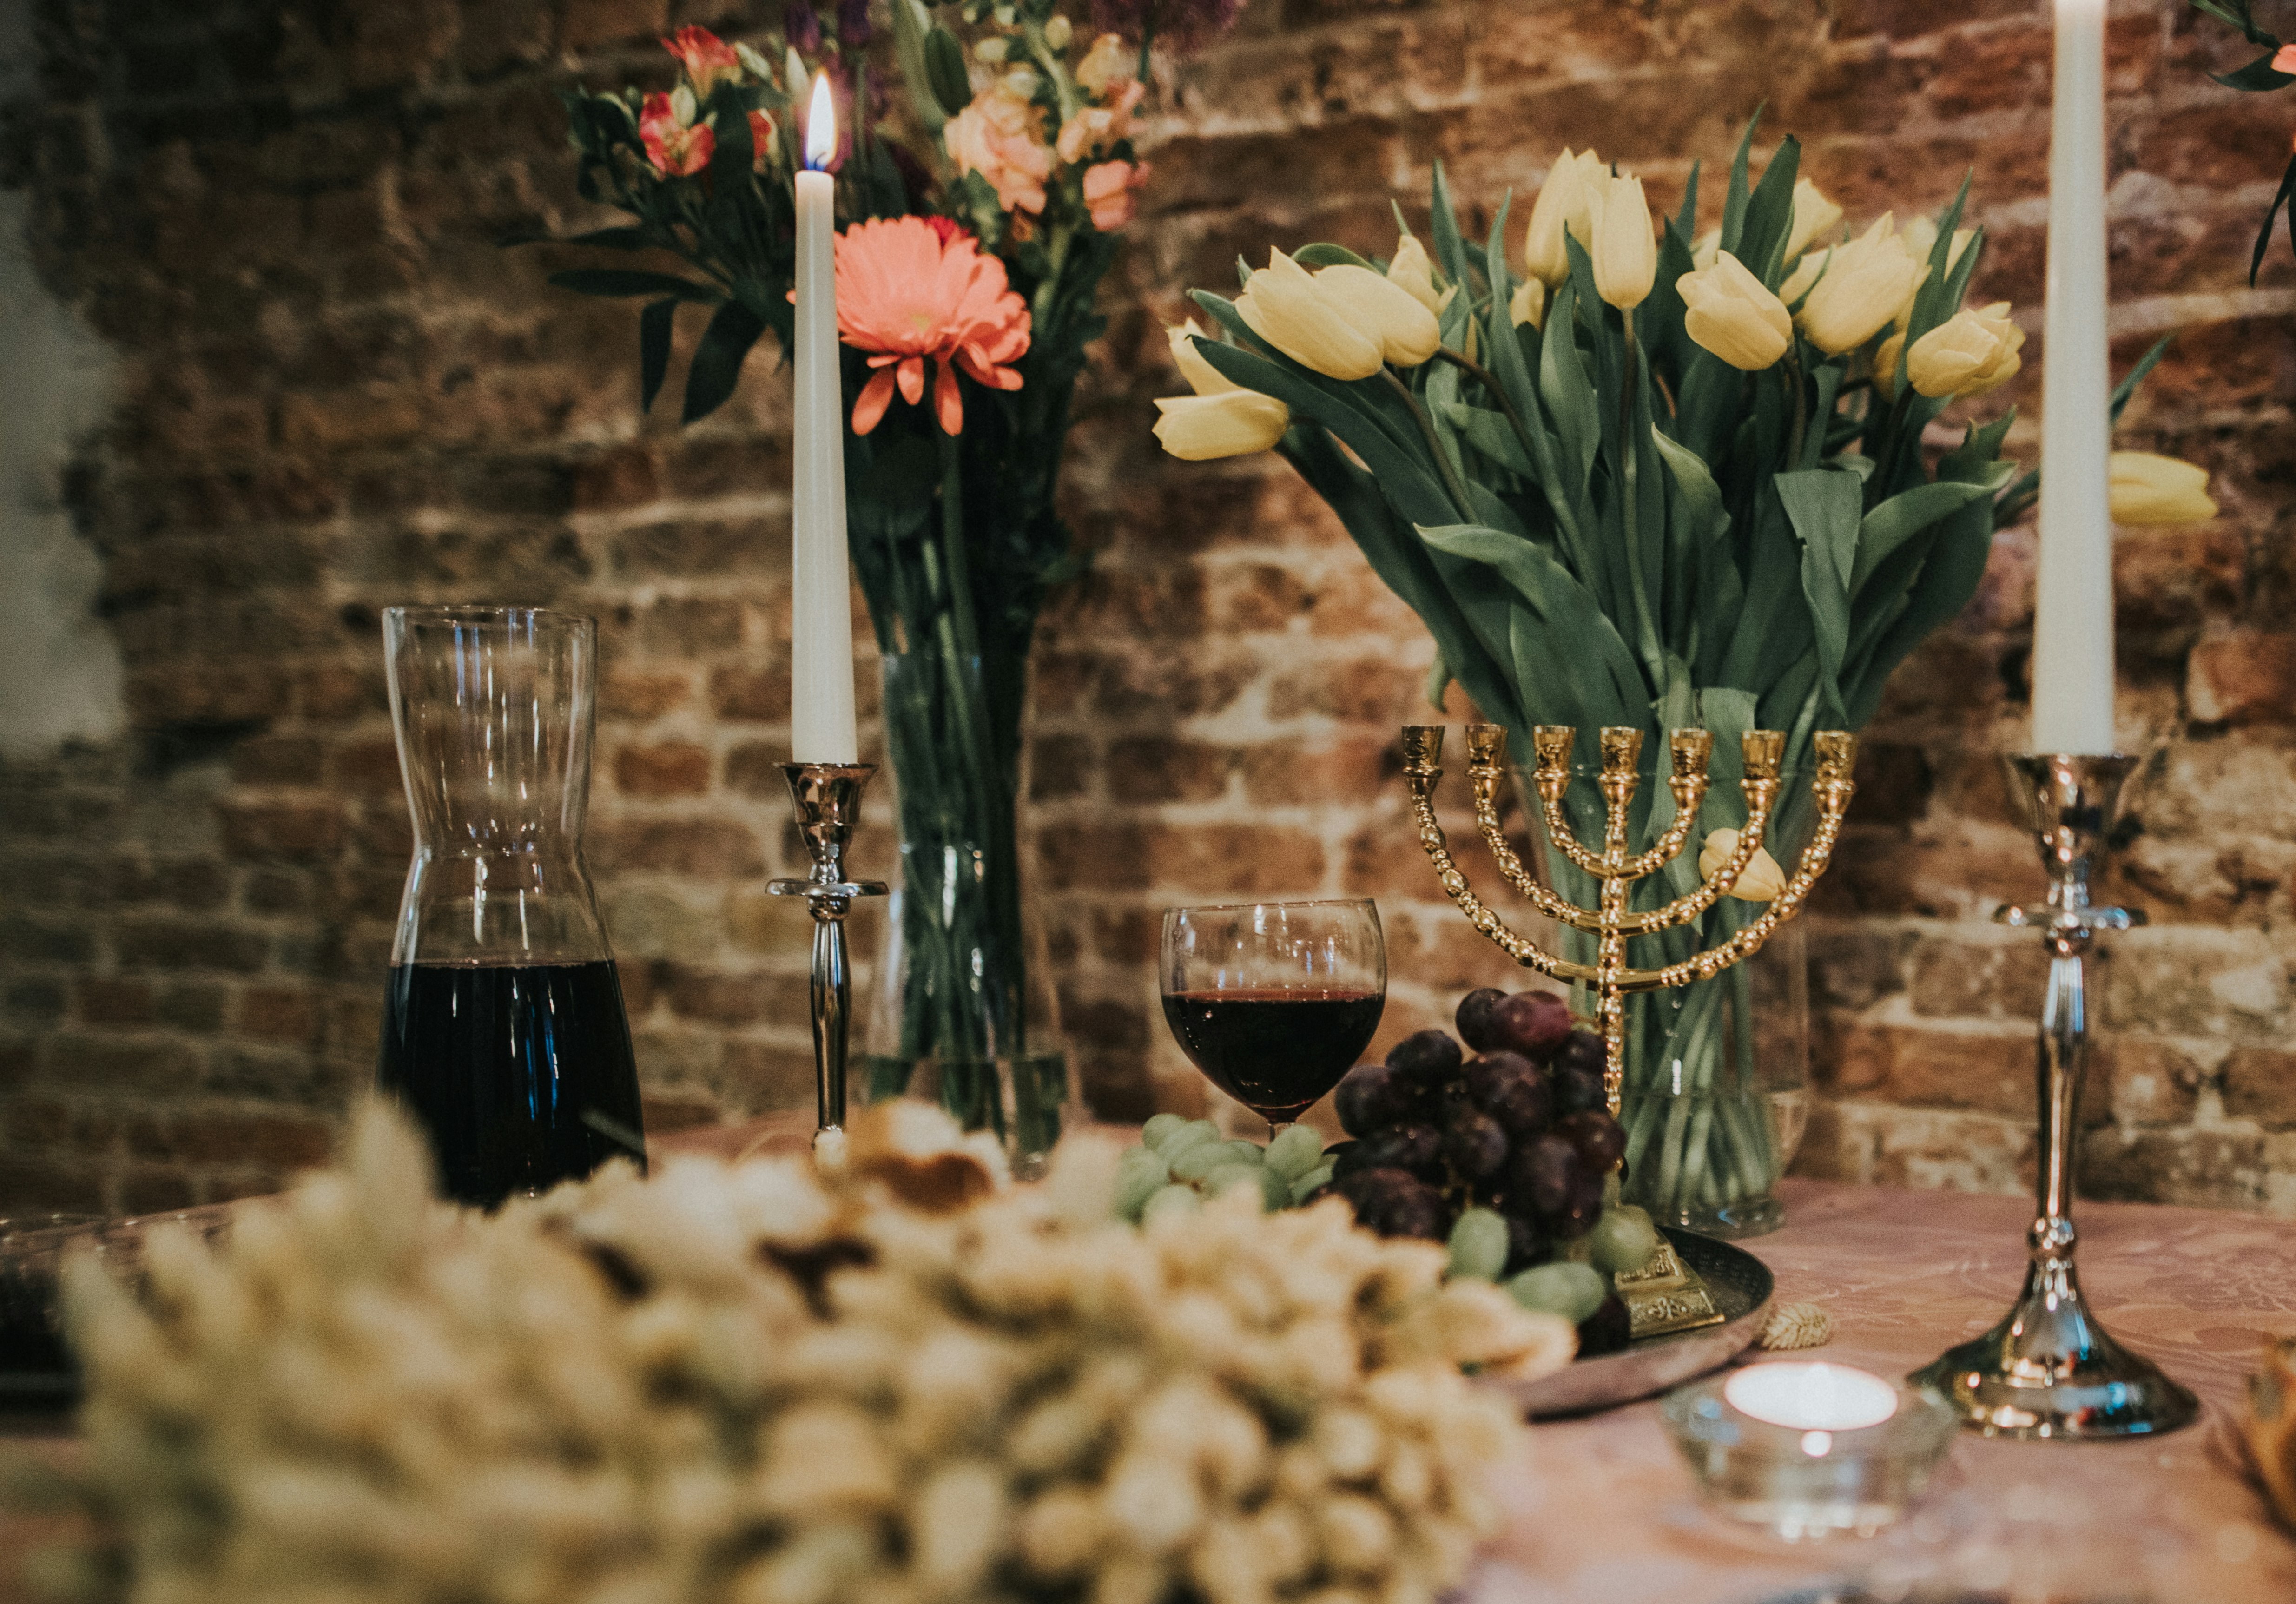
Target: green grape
<point>1478,1245</point>
<point>1135,1185</point>
<point>1236,1176</point>
<point>1160,1129</point>
<point>1168,1201</point>
<point>1296,1149</point>
<point>1573,1292</point>
<point>1309,1182</point>
<point>1199,1159</point>
<point>1620,1242</point>
<point>1275,1190</point>
<point>1247,1152</point>
<point>1191,1134</point>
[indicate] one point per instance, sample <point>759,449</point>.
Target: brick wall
<point>337,393</point>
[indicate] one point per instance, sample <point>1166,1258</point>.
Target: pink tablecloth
<point>1605,1511</point>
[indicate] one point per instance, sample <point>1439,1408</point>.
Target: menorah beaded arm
<point>1613,867</point>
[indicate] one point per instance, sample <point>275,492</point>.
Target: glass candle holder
<point>1809,1450</point>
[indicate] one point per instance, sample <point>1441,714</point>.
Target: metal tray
<point>1742,1285</point>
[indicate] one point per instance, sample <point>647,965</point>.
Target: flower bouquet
<point>981,220</point>
<point>1655,480</point>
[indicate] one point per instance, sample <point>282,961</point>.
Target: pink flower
<point>1093,128</point>
<point>762,142</point>
<point>1109,191</point>
<point>1001,136</point>
<point>2283,59</point>
<point>706,58</point>
<point>675,142</point>
<point>910,290</point>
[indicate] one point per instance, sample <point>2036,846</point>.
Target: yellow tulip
<point>1734,316</point>
<point>1203,377</point>
<point>1806,274</point>
<point>1708,245</point>
<point>1885,365</point>
<point>1527,304</point>
<point>1383,309</point>
<point>1288,309</point>
<point>1563,207</point>
<point>1624,252</point>
<point>1863,288</point>
<point>1762,879</point>
<point>1967,354</point>
<point>1411,270</point>
<point>2150,489</point>
<point>1815,218</point>
<point>1921,239</point>
<point>1237,422</point>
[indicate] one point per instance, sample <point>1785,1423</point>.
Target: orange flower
<point>1109,188</point>
<point>762,142</point>
<point>1093,128</point>
<point>2283,59</point>
<point>1001,136</point>
<point>910,290</point>
<point>706,58</point>
<point>674,142</point>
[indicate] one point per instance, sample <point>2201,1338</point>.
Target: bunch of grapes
<point>1509,1155</point>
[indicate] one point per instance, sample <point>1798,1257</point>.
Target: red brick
<point>282,832</point>
<point>2242,679</point>
<point>696,847</point>
<point>673,769</point>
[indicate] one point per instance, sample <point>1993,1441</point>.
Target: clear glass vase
<point>1716,1086</point>
<point>503,1030</point>
<point>964,1010</point>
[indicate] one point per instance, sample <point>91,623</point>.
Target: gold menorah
<point>1615,868</point>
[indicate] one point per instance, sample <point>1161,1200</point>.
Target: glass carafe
<point>504,1032</point>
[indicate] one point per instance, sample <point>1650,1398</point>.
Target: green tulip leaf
<point>1824,508</point>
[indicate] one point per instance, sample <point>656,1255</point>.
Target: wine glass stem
<point>1277,1127</point>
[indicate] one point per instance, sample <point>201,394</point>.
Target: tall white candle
<point>821,607</point>
<point>2073,624</point>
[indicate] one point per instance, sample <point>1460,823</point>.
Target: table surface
<point>1605,1510</point>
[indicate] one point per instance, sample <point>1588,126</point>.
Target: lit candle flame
<point>820,125</point>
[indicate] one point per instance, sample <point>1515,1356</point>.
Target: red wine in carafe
<point>520,1075</point>
<point>1273,1052</point>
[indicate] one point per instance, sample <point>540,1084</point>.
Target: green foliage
<point>2258,74</point>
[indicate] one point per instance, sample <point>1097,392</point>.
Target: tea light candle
<point>1807,1449</point>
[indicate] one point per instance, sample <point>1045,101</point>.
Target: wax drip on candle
<point>821,126</point>
<point>1818,1398</point>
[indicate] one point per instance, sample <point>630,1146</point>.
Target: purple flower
<point>853,23</point>
<point>1181,26</point>
<point>801,28</point>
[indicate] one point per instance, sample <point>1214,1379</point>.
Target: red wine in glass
<point>1274,1001</point>
<point>1275,1052</point>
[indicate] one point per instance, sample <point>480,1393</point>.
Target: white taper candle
<point>821,608</point>
<point>2073,624</point>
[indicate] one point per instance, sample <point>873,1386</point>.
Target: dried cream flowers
<point>763,1385</point>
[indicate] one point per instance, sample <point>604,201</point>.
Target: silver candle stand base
<point>2049,1368</point>
<point>828,797</point>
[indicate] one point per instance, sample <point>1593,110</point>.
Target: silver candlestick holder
<point>2049,1368</point>
<point>828,797</point>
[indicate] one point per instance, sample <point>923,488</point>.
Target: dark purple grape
<point>1578,1089</point>
<point>1527,1244</point>
<point>1417,1148</point>
<point>1606,1330</point>
<point>1473,1019</point>
<point>1512,1089</point>
<point>1582,1206</point>
<point>1533,1023</point>
<point>1427,1058</point>
<point>1372,1096</point>
<point>1395,1204</point>
<point>1475,1143</point>
<point>1597,1136</point>
<point>1584,1048</point>
<point>1540,1181</point>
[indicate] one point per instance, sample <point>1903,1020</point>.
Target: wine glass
<point>1272,1001</point>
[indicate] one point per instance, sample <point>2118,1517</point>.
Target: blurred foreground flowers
<point>749,1382</point>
